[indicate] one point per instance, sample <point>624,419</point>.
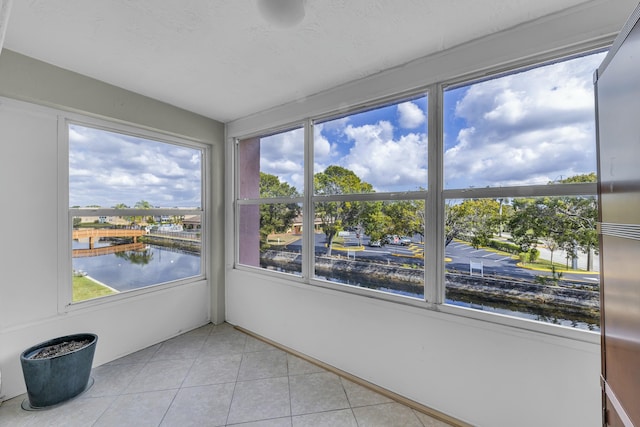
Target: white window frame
<point>66,214</point>
<point>435,196</point>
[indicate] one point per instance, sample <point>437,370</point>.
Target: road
<point>459,256</point>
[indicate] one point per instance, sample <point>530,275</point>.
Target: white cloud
<point>410,115</point>
<point>388,164</point>
<point>527,128</point>
<point>282,155</point>
<point>107,169</point>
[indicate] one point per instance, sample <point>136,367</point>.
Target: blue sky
<point>527,128</point>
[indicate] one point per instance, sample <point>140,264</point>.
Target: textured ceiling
<point>221,59</point>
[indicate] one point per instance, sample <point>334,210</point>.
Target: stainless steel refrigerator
<point>617,87</point>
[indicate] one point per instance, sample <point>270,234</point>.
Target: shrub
<point>504,246</point>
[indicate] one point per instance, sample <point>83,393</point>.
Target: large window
<point>520,206</point>
<point>270,177</point>
<point>361,233</point>
<point>136,210</point>
<point>369,190</point>
<point>493,210</point>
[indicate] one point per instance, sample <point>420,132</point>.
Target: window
<point>520,206</point>
<point>136,209</point>
<point>369,186</point>
<point>270,177</point>
<point>492,210</point>
<point>362,233</point>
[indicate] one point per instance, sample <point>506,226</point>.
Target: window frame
<point>436,195</point>
<point>238,202</point>
<point>66,213</point>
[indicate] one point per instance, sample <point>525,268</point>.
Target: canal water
<point>129,270</point>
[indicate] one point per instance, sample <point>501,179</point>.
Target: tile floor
<point>218,376</point>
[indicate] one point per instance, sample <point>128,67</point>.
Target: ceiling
<point>224,60</point>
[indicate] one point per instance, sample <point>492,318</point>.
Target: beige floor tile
<point>259,400</point>
<point>112,380</point>
<point>362,396</point>
<point>254,344</point>
<point>160,375</point>
<point>316,393</point>
<point>428,421</point>
<point>263,364</point>
<point>137,410</point>
<point>342,418</point>
<point>299,366</point>
<point>182,347</point>
<point>213,370</point>
<point>200,406</point>
<point>276,422</point>
<point>386,415</point>
<point>226,342</point>
<point>73,413</point>
<point>202,330</point>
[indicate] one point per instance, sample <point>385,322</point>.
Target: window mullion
<point>308,214</point>
<point>434,206</point>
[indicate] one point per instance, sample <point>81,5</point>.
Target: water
<point>477,302</point>
<point>130,270</point>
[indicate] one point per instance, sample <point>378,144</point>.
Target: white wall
<point>29,221</point>
<point>482,373</point>
<point>485,373</point>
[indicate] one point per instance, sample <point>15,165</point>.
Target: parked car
<point>392,239</point>
<point>404,240</point>
<point>375,243</point>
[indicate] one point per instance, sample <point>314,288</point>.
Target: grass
<point>85,288</point>
<point>545,265</point>
<point>282,239</point>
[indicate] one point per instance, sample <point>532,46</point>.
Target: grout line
<point>373,387</point>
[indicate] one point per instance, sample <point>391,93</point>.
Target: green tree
<point>540,219</point>
<point>581,217</point>
<point>141,204</point>
<point>475,219</point>
<point>587,177</point>
<point>276,217</point>
<point>559,222</point>
<point>519,224</point>
<point>406,217</point>
<point>375,222</point>
<point>124,206</point>
<point>336,215</point>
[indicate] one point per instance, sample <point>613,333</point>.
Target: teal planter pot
<point>56,378</point>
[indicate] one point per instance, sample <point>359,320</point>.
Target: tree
<point>406,217</point>
<point>276,217</point>
<point>336,215</point>
<point>141,204</point>
<point>477,219</point>
<point>374,221</point>
<point>582,215</point>
<point>522,232</point>
<point>587,177</point>
<point>541,219</point>
<point>560,222</point>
